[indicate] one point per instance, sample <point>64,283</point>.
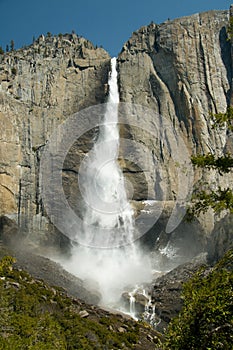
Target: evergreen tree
<point>12,45</point>
<point>222,198</point>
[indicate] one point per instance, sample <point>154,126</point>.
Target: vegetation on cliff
<point>221,198</point>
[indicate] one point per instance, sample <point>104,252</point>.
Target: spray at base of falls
<point>107,260</point>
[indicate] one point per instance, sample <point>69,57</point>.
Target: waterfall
<point>132,305</point>
<point>108,218</point>
<point>107,260</point>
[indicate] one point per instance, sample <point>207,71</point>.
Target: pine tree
<point>12,45</point>
<point>222,198</point>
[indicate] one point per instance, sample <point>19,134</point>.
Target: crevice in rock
<point>70,171</point>
<point>225,47</point>
<point>211,101</point>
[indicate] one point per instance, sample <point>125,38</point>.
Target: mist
<point>109,272</point>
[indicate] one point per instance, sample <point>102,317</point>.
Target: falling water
<point>108,219</point>
<point>107,260</point>
<point>132,304</point>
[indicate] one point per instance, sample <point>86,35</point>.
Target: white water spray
<point>108,217</point>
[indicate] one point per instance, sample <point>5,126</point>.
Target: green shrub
<point>6,264</point>
<point>206,320</point>
<point>230,28</point>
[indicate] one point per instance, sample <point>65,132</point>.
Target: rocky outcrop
<point>40,86</point>
<point>220,240</point>
<point>182,70</point>
<point>166,293</point>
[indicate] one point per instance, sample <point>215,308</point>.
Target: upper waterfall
<point>108,217</point>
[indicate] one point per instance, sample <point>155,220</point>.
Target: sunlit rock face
<point>41,86</point>
<point>181,70</point>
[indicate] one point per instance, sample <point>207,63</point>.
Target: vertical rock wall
<point>40,86</point>
<point>182,71</point>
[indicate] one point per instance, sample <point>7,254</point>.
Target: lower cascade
<point>132,304</point>
<point>108,260</point>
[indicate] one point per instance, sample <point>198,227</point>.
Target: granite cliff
<point>181,69</point>
<point>41,86</point>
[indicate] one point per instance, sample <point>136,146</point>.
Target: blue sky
<point>104,22</point>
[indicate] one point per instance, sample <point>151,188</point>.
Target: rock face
<point>40,86</point>
<point>181,71</point>
<point>220,240</point>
